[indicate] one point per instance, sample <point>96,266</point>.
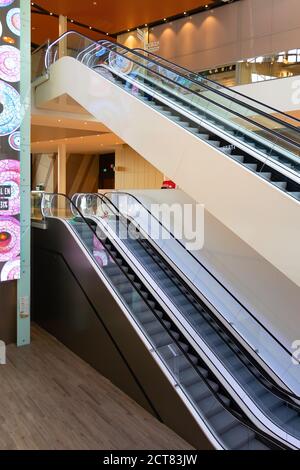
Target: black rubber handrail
<point>220,85</point>
<point>259,125</point>
<point>236,411</point>
<point>279,391</point>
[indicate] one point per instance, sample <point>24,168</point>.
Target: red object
<point>168,184</point>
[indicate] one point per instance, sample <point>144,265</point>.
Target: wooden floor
<point>51,399</point>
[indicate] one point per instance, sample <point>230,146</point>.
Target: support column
<point>63,28</point>
<point>23,309</point>
<point>62,168</point>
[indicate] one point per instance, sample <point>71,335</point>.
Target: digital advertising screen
<point>10,119</point>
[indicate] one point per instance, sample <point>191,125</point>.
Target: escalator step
<point>223,421</point>
<point>203,136</point>
<point>287,416</point>
<point>270,400</point>
<point>266,175</point>
<point>239,158</point>
<point>224,351</point>
<point>215,143</point>
<point>119,278</point>
<point>184,346</point>
<point>199,391</point>
<point>163,339</point>
<point>112,270</point>
<point>295,194</point>
<point>124,288</point>
<point>238,437</point>
<point>188,375</point>
<point>210,405</point>
<point>147,315</point>
<point>154,327</point>
<point>180,363</point>
<point>280,184</point>
<point>254,444</point>
<point>251,166</point>
<point>140,305</point>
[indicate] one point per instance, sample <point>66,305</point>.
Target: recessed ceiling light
<point>72,21</point>
<point>165,19</point>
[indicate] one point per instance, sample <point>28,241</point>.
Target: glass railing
<point>36,205</point>
<point>279,118</point>
<point>266,347</point>
<point>273,138</point>
<point>38,61</point>
<point>99,207</point>
<point>172,354</point>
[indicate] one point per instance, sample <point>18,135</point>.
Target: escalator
<point>220,421</point>
<point>264,140</point>
<point>237,156</point>
<point>277,403</point>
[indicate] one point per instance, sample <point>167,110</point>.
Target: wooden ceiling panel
<point>107,15</point>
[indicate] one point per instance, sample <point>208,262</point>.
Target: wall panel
<point>134,172</point>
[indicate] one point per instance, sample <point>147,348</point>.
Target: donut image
<point>13,21</point>
<point>11,270</point>
<point>9,238</point>
<point>10,118</point>
<point>10,64</point>
<point>14,141</point>
<point>10,176</point>
<point>120,63</point>
<point>6,3</point>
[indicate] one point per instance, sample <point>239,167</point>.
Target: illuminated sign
<point>143,36</point>
<point>10,119</point>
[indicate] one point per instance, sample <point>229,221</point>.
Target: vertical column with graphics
<point>10,120</point>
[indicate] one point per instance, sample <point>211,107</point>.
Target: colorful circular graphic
<point>10,176</point>
<point>9,238</point>
<point>11,270</point>
<point>14,141</point>
<point>10,118</point>
<point>120,63</point>
<point>9,64</point>
<point>5,3</point>
<point>13,21</point>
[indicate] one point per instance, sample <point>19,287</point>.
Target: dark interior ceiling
<point>109,16</point>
